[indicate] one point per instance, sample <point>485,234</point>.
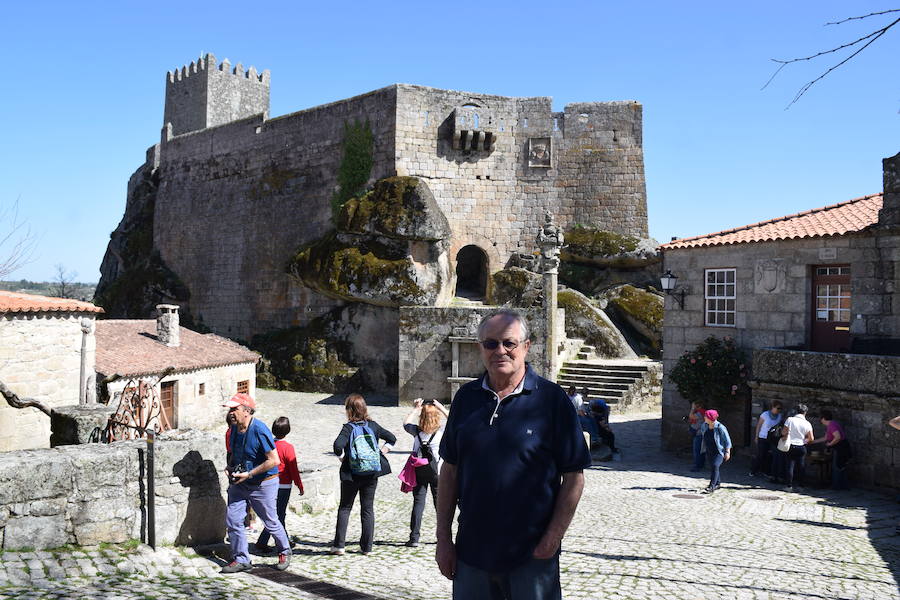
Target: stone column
<point>84,397</point>
<point>550,240</point>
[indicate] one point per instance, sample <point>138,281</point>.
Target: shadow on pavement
<point>372,399</point>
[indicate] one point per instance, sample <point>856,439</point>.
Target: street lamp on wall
<point>669,282</point>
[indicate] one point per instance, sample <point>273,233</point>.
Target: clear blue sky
<point>83,88</point>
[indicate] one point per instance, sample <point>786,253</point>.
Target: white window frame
<point>723,297</point>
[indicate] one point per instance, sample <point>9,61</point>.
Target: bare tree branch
<point>13,400</point>
<point>63,282</point>
<point>868,39</point>
<point>874,14</point>
<point>17,241</point>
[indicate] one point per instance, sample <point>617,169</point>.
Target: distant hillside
<point>79,290</point>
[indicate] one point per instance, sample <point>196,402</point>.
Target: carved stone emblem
<point>539,152</point>
<point>769,276</point>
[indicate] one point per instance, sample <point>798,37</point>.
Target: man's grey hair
<point>802,409</point>
<point>511,315</point>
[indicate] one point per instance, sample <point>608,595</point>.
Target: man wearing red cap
<point>253,473</point>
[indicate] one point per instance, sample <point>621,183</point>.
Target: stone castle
<point>228,214</point>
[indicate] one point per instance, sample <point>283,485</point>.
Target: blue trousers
<point>535,580</point>
<point>699,457</point>
<point>262,498</point>
<point>715,463</point>
<point>281,504</point>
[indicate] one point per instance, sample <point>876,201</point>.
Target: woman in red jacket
<point>288,474</point>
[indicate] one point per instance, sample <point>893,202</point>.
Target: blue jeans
<point>699,458</point>
<point>715,462</point>
<point>281,504</point>
<point>796,465</point>
<point>590,425</point>
<point>535,580</point>
<point>262,498</point>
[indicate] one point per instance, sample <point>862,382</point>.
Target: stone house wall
<point>40,357</point>
<point>776,317</point>
<point>93,493</point>
<point>194,410</point>
<point>863,391</point>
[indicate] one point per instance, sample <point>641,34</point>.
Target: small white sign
<point>827,253</point>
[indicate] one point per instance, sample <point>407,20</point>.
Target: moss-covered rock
<point>396,207</point>
<point>641,313</point>
<point>515,286</point>
<point>586,321</point>
<point>360,270</point>
<point>593,246</point>
<point>299,359</point>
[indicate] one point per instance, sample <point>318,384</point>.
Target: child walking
<point>288,475</point>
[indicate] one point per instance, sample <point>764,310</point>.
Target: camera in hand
<point>236,469</point>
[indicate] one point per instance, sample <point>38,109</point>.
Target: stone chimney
<point>167,325</point>
<point>889,215</point>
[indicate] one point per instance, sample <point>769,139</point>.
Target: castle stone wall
<point>236,201</point>
<point>496,198</point>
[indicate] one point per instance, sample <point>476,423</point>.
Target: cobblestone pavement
<point>632,537</point>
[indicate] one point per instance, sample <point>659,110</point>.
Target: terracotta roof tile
<point>130,348</point>
<point>14,302</point>
<point>837,219</point>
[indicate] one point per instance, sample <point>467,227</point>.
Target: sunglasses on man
<point>490,344</point>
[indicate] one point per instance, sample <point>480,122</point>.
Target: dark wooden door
<point>168,400</point>
<point>831,309</point>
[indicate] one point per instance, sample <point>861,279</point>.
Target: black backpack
<point>775,432</point>
<point>427,473</point>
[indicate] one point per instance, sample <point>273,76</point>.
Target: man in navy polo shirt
<point>513,459</point>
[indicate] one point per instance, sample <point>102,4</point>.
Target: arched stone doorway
<point>471,273</point>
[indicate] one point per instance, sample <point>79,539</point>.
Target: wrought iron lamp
<point>669,281</point>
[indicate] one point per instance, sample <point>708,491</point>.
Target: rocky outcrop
<point>515,286</point>
<point>390,249</point>
<point>587,321</point>
<point>639,314</point>
<point>133,276</point>
<point>594,260</point>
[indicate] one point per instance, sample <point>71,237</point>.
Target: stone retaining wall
<point>861,390</point>
<point>92,493</point>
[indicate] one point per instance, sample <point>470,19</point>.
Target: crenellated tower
<point>206,93</point>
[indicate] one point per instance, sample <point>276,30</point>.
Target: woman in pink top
<point>836,441</point>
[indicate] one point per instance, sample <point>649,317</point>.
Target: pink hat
<point>241,399</point>
<point>712,415</point>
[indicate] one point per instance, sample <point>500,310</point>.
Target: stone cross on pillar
<point>550,241</point>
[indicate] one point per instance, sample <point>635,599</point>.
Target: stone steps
<point>615,381</point>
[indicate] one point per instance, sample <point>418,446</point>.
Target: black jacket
<point>342,446</point>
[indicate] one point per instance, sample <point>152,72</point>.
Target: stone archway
<point>471,273</point>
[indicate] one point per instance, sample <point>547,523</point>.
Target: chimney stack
<point>167,325</point>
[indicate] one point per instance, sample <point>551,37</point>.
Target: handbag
<point>784,444</point>
<point>427,473</point>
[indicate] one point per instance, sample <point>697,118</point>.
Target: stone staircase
<point>625,384</point>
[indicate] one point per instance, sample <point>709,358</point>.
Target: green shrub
<point>714,371</point>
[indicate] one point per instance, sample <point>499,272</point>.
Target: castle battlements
<point>209,60</point>
<point>207,93</point>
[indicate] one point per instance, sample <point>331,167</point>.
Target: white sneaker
<point>337,551</point>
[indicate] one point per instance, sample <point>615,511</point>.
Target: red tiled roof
<point>837,219</point>
<point>130,348</point>
<point>14,302</point>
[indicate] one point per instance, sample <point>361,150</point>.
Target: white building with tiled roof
<point>44,342</point>
<point>207,369</point>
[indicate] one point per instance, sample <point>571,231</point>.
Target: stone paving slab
<point>632,537</point>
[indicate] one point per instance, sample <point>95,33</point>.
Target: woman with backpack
<point>425,424</point>
<point>362,463</point>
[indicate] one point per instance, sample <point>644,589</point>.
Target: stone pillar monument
<point>549,241</point>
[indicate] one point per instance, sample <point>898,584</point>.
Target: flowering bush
<point>713,372</point>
